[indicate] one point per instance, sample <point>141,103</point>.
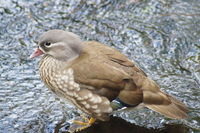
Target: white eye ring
<point>47,44</point>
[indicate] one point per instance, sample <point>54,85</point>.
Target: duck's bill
<point>36,53</point>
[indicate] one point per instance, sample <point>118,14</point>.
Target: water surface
<point>161,36</point>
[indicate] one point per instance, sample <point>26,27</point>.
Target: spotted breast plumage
<point>59,77</point>
<point>91,75</point>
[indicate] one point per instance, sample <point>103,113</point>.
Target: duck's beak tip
<point>36,53</point>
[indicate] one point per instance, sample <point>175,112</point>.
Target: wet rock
<point>118,125</point>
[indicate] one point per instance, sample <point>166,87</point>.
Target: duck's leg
<point>85,124</point>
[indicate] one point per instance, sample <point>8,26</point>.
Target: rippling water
<point>162,36</point>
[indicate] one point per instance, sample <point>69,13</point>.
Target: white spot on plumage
<point>71,88</point>
<point>94,107</point>
<point>78,89</point>
<point>87,106</point>
<point>71,78</point>
<point>90,95</point>
<point>85,97</point>
<point>75,95</point>
<point>62,78</point>
<point>58,79</point>
<point>97,111</point>
<point>99,99</point>
<point>96,99</point>
<point>107,102</point>
<point>71,83</point>
<point>66,85</point>
<point>110,110</point>
<point>92,99</point>
<point>79,98</point>
<point>66,78</point>
<point>76,85</point>
<point>84,102</point>
<point>64,72</point>
<point>70,93</point>
<point>62,82</point>
<point>70,71</point>
<point>60,86</point>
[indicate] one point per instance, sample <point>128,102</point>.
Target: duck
<point>92,75</point>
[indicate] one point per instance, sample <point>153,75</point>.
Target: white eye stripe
<point>41,49</point>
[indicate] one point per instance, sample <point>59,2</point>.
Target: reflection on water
<point>162,36</point>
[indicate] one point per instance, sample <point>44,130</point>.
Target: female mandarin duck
<point>90,75</point>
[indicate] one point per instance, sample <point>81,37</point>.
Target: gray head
<point>60,44</point>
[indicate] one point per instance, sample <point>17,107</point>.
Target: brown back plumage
<point>114,75</point>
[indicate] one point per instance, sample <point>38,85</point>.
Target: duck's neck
<point>50,66</point>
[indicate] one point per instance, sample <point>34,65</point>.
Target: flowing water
<point>162,36</point>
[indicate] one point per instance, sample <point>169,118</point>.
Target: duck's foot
<point>78,125</point>
<point>87,123</point>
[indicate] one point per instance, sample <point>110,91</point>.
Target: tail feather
<point>175,109</point>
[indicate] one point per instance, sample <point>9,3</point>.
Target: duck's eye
<point>47,44</point>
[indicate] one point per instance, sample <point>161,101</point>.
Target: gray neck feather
<point>72,52</point>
